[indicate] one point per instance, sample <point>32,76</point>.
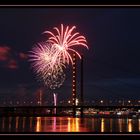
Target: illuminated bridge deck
<point>61,110</point>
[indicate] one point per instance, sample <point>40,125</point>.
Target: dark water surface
<point>68,124</point>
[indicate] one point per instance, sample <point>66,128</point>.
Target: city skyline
<point>111,66</point>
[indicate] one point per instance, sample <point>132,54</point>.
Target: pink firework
<point>63,40</point>
<point>46,63</point>
<point>45,59</point>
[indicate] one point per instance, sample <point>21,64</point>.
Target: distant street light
<point>101,101</point>
<point>129,101</point>
<point>69,101</point>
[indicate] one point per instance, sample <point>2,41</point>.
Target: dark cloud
<point>12,64</point>
<point>4,53</point>
<point>8,58</point>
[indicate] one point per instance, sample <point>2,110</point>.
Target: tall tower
<point>82,98</point>
<point>74,84</point>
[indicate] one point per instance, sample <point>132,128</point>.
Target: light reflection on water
<point>38,125</point>
<point>68,124</point>
<point>102,125</point>
<point>129,125</point>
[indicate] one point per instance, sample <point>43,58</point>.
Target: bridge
<point>60,110</point>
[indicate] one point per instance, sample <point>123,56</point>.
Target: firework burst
<point>47,64</point>
<point>63,40</point>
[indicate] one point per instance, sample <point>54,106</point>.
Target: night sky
<point>111,65</point>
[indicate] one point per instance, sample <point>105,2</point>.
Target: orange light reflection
<point>17,119</point>
<point>129,125</point>
<point>102,125</point>
<point>73,125</point>
<point>38,125</point>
